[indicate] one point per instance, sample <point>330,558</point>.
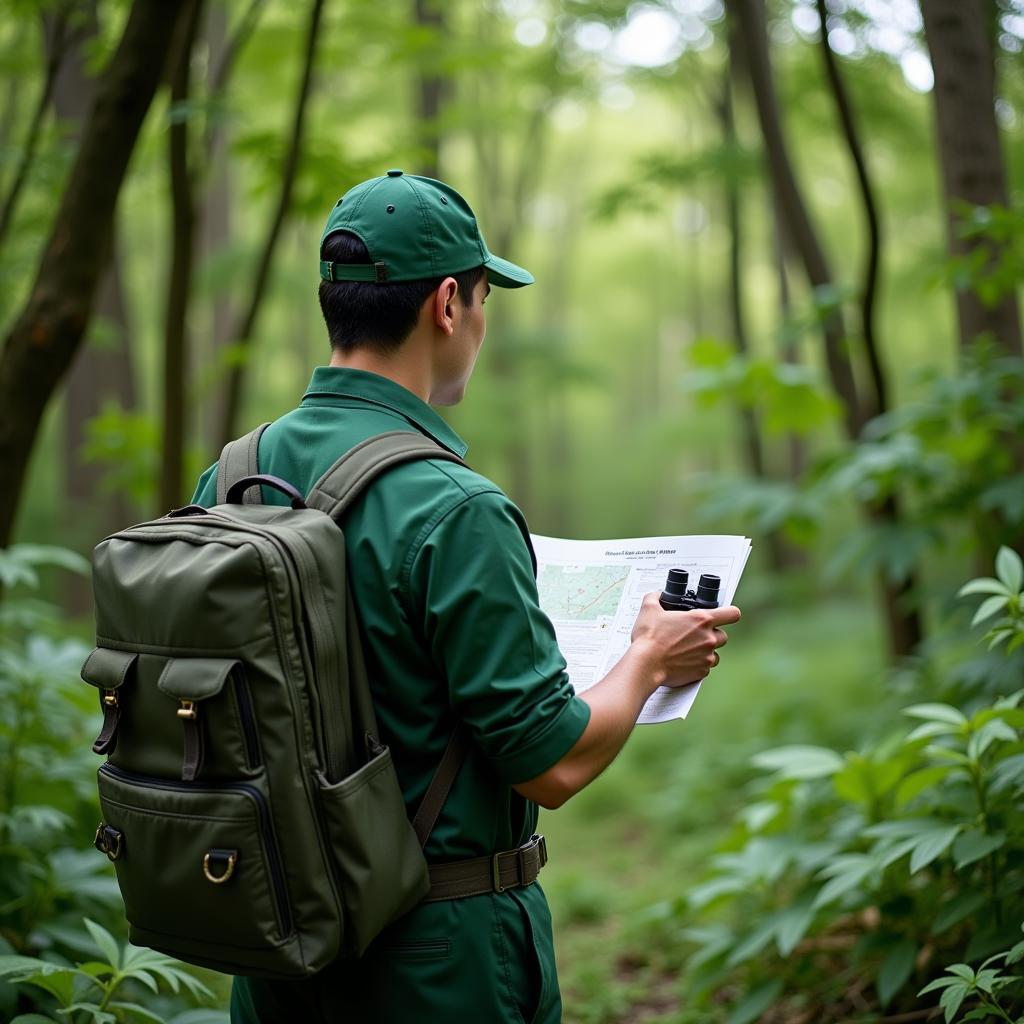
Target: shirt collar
<point>344,382</point>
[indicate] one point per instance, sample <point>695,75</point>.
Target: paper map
<point>592,589</point>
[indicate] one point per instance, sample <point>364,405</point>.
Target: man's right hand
<point>683,646</point>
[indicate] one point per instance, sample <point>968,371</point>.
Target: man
<point>442,573</point>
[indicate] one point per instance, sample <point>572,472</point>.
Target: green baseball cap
<point>413,228</point>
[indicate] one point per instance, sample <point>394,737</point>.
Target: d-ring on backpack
<point>254,819</point>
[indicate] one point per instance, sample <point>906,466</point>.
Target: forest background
<point>778,272</point>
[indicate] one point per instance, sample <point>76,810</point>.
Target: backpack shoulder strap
<point>237,459</point>
<point>346,480</point>
<point>334,494</point>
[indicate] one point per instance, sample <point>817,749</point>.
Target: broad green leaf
<point>106,942</point>
<point>59,983</point>
<point>988,608</point>
<point>951,1000</point>
<point>96,1015</point>
<point>756,1001</point>
<point>846,874</point>
<point>134,1010</point>
<point>753,943</point>
<point>800,762</point>
<point>964,971</point>
<point>937,713</point>
<point>1009,568</point>
<point>895,970</point>
<point>938,983</point>
<point>32,1018</point>
<point>988,734</point>
<point>974,844</point>
<point>792,925</point>
<point>917,782</point>
<point>985,585</point>
<point>933,846</point>
<point>11,966</point>
<point>957,909</point>
<point>200,1016</point>
<point>926,730</point>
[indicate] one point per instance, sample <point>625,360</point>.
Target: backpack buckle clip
<point>496,874</point>
<point>188,710</point>
<point>110,698</point>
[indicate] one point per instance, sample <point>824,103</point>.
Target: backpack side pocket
<point>380,866</point>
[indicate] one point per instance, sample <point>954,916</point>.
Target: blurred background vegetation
<point>778,247</point>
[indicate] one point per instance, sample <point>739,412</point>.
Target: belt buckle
<point>538,843</point>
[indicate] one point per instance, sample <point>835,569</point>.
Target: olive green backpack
<point>254,819</point>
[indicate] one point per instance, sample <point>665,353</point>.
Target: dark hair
<point>380,316</point>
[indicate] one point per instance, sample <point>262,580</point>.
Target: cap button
<point>394,173</point>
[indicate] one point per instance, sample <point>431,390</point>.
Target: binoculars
<point>675,596</point>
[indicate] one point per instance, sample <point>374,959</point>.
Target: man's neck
<point>404,367</point>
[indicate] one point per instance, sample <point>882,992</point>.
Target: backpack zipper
<point>262,812</point>
<point>243,698</point>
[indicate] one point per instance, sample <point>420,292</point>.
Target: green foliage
<point>52,882</point>
<point>86,991</point>
<point>906,853</point>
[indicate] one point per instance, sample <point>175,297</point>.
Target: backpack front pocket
<point>198,862</point>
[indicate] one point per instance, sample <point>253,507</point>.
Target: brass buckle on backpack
<point>110,698</point>
<point>188,710</point>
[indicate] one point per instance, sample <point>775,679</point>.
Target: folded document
<point>592,590</point>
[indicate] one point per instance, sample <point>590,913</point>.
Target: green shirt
<point>443,577</point>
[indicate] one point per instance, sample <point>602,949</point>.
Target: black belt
<point>496,873</point>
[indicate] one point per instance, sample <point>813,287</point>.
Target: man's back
<point>442,576</point>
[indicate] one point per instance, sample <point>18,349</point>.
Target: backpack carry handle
<point>239,487</point>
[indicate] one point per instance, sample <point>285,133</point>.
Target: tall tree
<point>970,154</point>
<point>431,85</point>
<point>750,18</point>
<point>55,30</point>
<point>902,620</point>
<point>183,219</point>
<point>247,330</point>
<point>906,630</point>
<point>99,372</point>
<point>48,331</point>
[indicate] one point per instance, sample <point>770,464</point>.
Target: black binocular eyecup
<point>676,597</point>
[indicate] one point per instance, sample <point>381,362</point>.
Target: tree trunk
<point>48,331</point>
<point>903,617</point>
<point>750,17</point>
<point>99,373</point>
<point>970,155</point>
<point>55,32</point>
<point>183,218</point>
<point>431,88</point>
<point>244,337</point>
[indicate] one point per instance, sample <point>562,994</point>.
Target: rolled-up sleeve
<point>472,581</point>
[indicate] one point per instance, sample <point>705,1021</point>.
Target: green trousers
<point>485,958</point>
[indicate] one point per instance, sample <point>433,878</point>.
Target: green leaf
<point>1010,569</point>
<point>895,970</point>
<point>926,730</point>
<point>139,1012</point>
<point>106,943</point>
<point>974,844</point>
<point>756,1001</point>
<point>934,986</point>
<point>937,713</point>
<point>800,762</point>
<point>951,1000</point>
<point>60,983</point>
<point>932,846</point>
<point>846,873</point>
<point>957,909</point>
<point>792,925</point>
<point>985,585</point>
<point>989,733</point>
<point>200,1016</point>
<point>32,1018</point>
<point>917,782</point>
<point>988,608</point>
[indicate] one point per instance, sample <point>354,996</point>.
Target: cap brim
<point>506,274</point>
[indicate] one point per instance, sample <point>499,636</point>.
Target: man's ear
<point>444,305</point>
